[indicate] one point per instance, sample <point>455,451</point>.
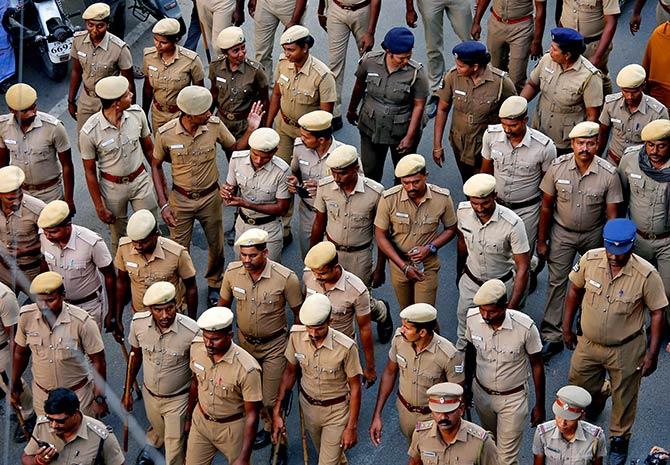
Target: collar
<point>487,75</point>
<point>593,167</point>
<point>359,187</point>
<point>105,124</point>
<point>37,123</point>
<point>506,324</point>
<point>428,195</point>
<point>327,344</point>
<point>174,58</point>
<point>432,345</point>
<point>340,282</point>
<point>266,167</point>
<point>495,216</point>
<point>230,355</point>
<point>267,271</point>
<point>580,435</point>
<point>104,43</point>
<point>305,67</point>
<point>180,129</point>
<point>172,328</point>
<point>82,432</point>
<point>641,108</point>
<point>18,213</point>
<point>627,269</point>
<point>157,253</point>
<point>63,317</point>
<point>73,239</point>
<point>461,435</point>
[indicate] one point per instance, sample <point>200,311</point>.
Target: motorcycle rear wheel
<point>55,71</point>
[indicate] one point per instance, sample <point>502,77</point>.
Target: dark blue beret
<point>470,51</point>
<point>566,36</point>
<point>398,40</point>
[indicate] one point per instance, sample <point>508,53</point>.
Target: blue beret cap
<point>619,235</point>
<point>566,36</point>
<point>471,51</point>
<point>398,40</point>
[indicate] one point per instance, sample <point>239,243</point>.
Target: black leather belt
<point>517,205</point>
<point>508,392</point>
<point>256,221</point>
<point>349,248</point>
<point>262,339</point>
<point>652,236</point>
<point>235,416</point>
<point>195,195</point>
<point>480,282</point>
<point>88,298</point>
<point>625,340</point>
<point>412,408</point>
<point>160,396</point>
<point>322,403</point>
<point>590,40</point>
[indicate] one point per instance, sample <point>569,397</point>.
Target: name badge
<point>239,289</point>
<point>595,283</point>
<point>496,153</point>
<point>614,120</point>
<point>283,78</point>
<point>563,181</point>
<point>636,176</point>
<point>107,142</point>
<point>459,92</point>
<point>81,54</point>
<point>458,368</point>
<point>373,74</point>
<point>401,215</point>
<point>400,359</point>
<point>152,68</point>
<point>10,141</point>
<point>477,338</point>
<point>548,70</point>
<point>299,356</point>
<point>198,366</point>
<point>303,162</point>
<point>428,453</point>
<point>132,264</point>
<point>220,79</point>
<point>177,146</point>
<point>50,256</point>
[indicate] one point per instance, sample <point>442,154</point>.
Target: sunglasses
<point>60,421</point>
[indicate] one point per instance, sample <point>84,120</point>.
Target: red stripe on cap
<point>442,400</point>
<point>567,407</point>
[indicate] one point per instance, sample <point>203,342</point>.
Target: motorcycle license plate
<point>60,51</point>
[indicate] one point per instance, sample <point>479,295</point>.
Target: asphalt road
<point>651,426</point>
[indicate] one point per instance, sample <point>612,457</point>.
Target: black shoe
<point>288,239</point>
<point>551,348</point>
<point>532,282</point>
<point>213,296</point>
<point>618,451</point>
<point>337,123</point>
<point>385,328</point>
<point>261,440</point>
<point>282,456</point>
<point>230,236</point>
<point>144,458</point>
<point>137,72</point>
<point>431,106</point>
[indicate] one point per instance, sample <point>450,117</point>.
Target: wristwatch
<point>432,248</point>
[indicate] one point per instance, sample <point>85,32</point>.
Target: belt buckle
<point>125,179</point>
<point>651,236</point>
<point>230,117</point>
<point>251,221</point>
<point>195,195</point>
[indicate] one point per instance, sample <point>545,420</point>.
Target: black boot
<point>145,457</point>
<point>618,451</point>
<point>385,327</point>
<point>261,440</point>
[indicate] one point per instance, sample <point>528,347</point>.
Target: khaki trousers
<point>95,308</point>
<point>658,253</point>
<point>325,426</point>
<point>408,420</point>
<point>215,16</point>
<point>207,437</point>
<point>506,417</point>
<point>207,210</point>
<point>49,194</point>
<point>412,292</point>
<point>269,13</point>
<point>84,393</point>
<point>287,136</point>
<point>509,46</point>
<point>591,362</point>
<point>306,220</point>
<point>87,106</point>
<point>26,399</point>
<point>607,80</point>
<point>274,244</point>
<point>167,417</point>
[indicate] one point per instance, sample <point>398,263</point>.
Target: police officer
<point>570,88</point>
<point>267,15</point>
<point>514,34</point>
<point>261,288</point>
<point>237,81</point>
<point>579,191</point>
<point>168,68</point>
<point>349,299</point>
<point>326,363</point>
<point>406,230</point>
<point>448,437</point>
<point>144,258</point>
<point>345,17</point>
<point>160,341</point>
<point>82,258</point>
<point>96,53</point>
<point>568,438</point>
<point>71,435</point>
<point>61,339</point>
<point>614,286</point>
<point>643,171</point>
<point>476,90</point>
<point>112,143</point>
<point>228,384</point>
<point>418,357</point>
<point>309,165</point>
<point>20,256</point>
<point>257,183</point>
<point>188,143</point>
<point>501,343</point>
<point>216,15</point>
<point>492,243</point>
<point>626,113</point>
<point>393,88</point>
<point>38,144</point>
<point>518,156</point>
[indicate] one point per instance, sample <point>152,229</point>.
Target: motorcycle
<point>158,9</point>
<point>42,26</point>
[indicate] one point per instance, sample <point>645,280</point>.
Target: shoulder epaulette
<point>320,67</point>
<point>539,136</point>
<point>190,54</point>
<point>91,123</point>
<point>612,97</point>
<point>547,426</point>
<point>197,340</point>
<point>88,236</point>
<point>595,254</point>
<point>214,119</point>
<point>234,265</point>
<point>171,246</point>
<point>508,215</point>
<point>593,430</point>
<point>76,312</point>
<point>607,166</point>
<point>33,204</point>
<point>424,425</point>
<point>439,190</point>
<point>188,323</point>
<point>117,40</point>
<point>446,346</point>
<point>252,63</point>
<point>47,118</point>
<point>167,126</point>
<point>374,185</point>
<point>477,431</point>
<point>281,164</point>
<point>5,117</point>
<point>642,266</point>
<point>343,339</point>
<point>298,141</point>
<point>392,191</point>
<point>415,64</point>
<point>654,104</point>
<point>42,419</point>
<point>498,72</point>
<point>240,154</point>
<point>397,332</point>
<point>521,318</point>
<point>28,308</point>
<point>372,54</point>
<point>141,315</point>
<point>124,240</point>
<point>149,50</point>
<point>101,431</point>
<point>356,282</point>
<point>562,159</point>
<point>248,362</point>
<point>464,206</point>
<point>80,33</point>
<point>135,107</point>
<point>588,65</point>
<point>473,311</point>
<point>325,180</point>
<point>298,328</point>
<point>281,269</point>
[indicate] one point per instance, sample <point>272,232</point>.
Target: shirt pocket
<point>622,304</point>
<point>239,293</point>
<point>108,146</point>
<point>360,221</point>
<point>429,225</point>
<point>173,357</point>
<point>306,97</point>
<point>68,348</point>
<point>564,192</point>
<point>509,353</point>
<point>36,344</point>
<point>592,292</point>
<point>226,390</point>
<point>581,459</point>
<point>594,198</point>
<point>331,372</point>
<point>587,5</point>
<point>429,458</point>
<point>77,268</point>
<point>496,245</point>
<point>637,183</point>
<point>400,224</point>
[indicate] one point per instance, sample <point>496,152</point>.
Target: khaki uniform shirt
<point>20,228</point>
<point>473,445</point>
<point>518,170</point>
<point>350,216</point>
<point>508,9</point>
<point>492,246</point>
<point>223,387</point>
<point>168,262</point>
<point>303,91</point>
<point>647,204</point>
<point>167,79</point>
<point>326,370</point>
<point>264,185</point>
<point>389,98</point>
<point>588,16</point>
<point>193,158</point>
<point>238,89</point>
<point>59,353</point>
<point>502,354</point>
<point>411,225</point>
<point>83,448</point>
<point>261,306</point>
<point>307,165</point>
<point>585,447</point>
<point>474,107</point>
<point>116,150</point>
<point>9,312</point>
<point>165,355</point>
<point>613,308</point>
<point>35,151</point>
<point>581,200</point>
<point>438,362</point>
<point>625,127</point>
<point>349,298</point>
<point>78,262</point>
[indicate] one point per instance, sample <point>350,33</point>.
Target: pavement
<point>651,425</point>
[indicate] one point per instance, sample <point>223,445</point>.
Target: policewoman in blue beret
<point>393,89</point>
<point>475,90</point>
<point>570,88</point>
<point>614,287</point>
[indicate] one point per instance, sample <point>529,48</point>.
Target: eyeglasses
<point>60,421</point>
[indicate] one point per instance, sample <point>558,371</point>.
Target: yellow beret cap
<point>315,310</point>
<point>46,283</point>
<point>490,292</point>
<point>166,27</point>
<point>253,236</point>
<point>444,397</point>
<point>320,255</point>
<point>264,139</point>
<point>215,319</point>
<point>410,165</point>
<point>513,107</point>
<point>631,76</point>
<point>656,130</point>
<point>230,37</point>
<point>96,12</point>
<point>159,293</point>
<point>140,225</point>
<point>111,87</point>
<point>479,185</point>
<point>317,120</point>
<point>194,100</point>
<point>342,156</point>
<point>585,129</point>
<point>53,214</point>
<point>20,97</point>
<point>293,34</point>
<point>419,313</point>
<point>11,178</point>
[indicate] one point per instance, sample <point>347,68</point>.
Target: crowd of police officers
<point>586,177</point>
